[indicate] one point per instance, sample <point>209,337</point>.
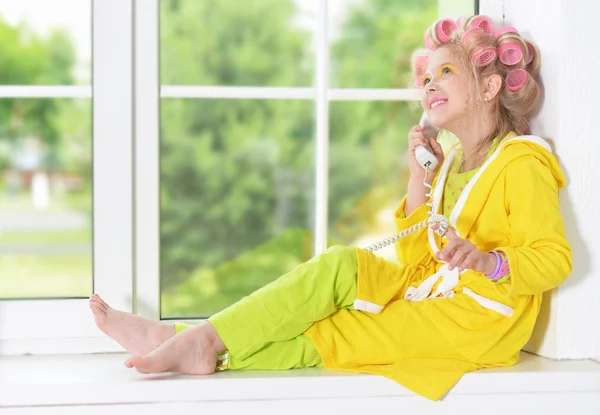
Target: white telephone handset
<point>429,162</point>
<point>422,154</point>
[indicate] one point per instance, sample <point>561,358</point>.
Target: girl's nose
<point>431,86</point>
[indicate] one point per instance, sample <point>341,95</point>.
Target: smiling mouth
<point>438,103</point>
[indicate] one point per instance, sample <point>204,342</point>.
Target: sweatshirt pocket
<point>490,304</point>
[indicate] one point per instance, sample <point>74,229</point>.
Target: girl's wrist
<point>416,180</point>
<point>500,266</point>
<point>418,177</point>
<point>490,264</point>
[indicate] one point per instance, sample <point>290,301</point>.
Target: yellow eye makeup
<point>451,68</point>
<point>441,72</point>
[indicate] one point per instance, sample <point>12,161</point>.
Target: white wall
<point>566,33</point>
<point>579,148</point>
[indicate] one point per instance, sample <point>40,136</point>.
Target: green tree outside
<point>237,176</point>
<point>62,129</point>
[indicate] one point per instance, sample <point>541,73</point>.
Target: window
<point>229,145</point>
<point>237,175</point>
<point>65,170</point>
<point>277,138</point>
<point>45,151</point>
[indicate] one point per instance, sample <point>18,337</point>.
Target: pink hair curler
<point>460,20</point>
<point>484,57</point>
<point>428,43</point>
<point>420,63</point>
<point>516,79</point>
<point>444,29</point>
<point>530,53</point>
<point>486,24</point>
<point>505,29</point>
<point>510,53</point>
<point>469,34</point>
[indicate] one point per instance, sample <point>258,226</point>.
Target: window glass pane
<point>237,198</point>
<point>368,169</point>
<point>230,42</point>
<point>372,41</point>
<point>45,198</point>
<point>45,42</point>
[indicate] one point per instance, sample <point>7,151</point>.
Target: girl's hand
<point>462,254</point>
<point>417,138</point>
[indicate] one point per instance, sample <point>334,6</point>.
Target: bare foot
<point>138,335</point>
<point>193,352</point>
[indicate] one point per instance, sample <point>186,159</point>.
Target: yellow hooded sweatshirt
<point>424,326</point>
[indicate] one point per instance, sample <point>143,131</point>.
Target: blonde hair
<point>478,43</point>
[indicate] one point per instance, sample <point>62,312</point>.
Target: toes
<point>98,311</point>
<point>144,364</point>
<point>96,306</point>
<point>99,305</point>
<point>133,361</point>
<point>95,300</point>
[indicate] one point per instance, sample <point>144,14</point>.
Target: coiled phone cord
<point>434,218</point>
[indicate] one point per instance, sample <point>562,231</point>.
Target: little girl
<point>466,293</point>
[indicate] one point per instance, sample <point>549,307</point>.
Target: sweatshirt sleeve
<point>539,255</point>
<point>414,248</point>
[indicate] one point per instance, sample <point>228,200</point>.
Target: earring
<point>486,99</point>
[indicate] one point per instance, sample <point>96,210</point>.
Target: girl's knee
<point>336,256</point>
<point>340,250</point>
<point>343,252</point>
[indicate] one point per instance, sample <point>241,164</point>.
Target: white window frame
<point>148,94</point>
<point>66,325</point>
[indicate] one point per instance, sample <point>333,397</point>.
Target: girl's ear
<point>492,84</point>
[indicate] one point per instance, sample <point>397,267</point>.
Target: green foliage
<point>222,189</point>
<point>377,41</point>
<point>43,276</point>
<point>237,176</point>
<point>216,42</point>
<point>210,289</point>
<point>27,59</point>
<point>63,128</point>
<point>234,173</point>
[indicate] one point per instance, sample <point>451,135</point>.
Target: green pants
<point>265,330</point>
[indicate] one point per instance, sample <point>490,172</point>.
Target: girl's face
<point>447,89</point>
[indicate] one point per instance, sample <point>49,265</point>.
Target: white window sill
<point>63,384</point>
